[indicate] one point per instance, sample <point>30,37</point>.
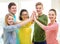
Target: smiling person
<point>11,27</point>
<point>51,29</point>
<point>25,31</point>
<point>39,34</point>
<point>12,8</point>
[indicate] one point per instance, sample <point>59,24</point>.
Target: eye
<point>9,19</point>
<point>40,8</point>
<point>52,14</point>
<point>12,18</point>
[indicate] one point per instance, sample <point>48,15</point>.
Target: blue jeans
<point>44,42</point>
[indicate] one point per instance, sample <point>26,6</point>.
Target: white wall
<point>56,5</point>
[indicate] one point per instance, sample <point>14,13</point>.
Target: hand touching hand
<point>34,15</point>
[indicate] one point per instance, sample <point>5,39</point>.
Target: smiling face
<point>24,15</point>
<point>13,9</point>
<point>39,9</point>
<point>10,20</point>
<point>52,16</point>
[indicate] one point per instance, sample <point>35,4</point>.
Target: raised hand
<point>34,15</point>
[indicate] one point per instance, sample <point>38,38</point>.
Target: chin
<point>14,13</point>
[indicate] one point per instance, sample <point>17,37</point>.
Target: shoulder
<point>5,27</point>
<point>54,24</point>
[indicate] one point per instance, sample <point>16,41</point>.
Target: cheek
<point>54,17</point>
<point>50,17</point>
<point>38,9</point>
<point>13,10</point>
<point>22,17</point>
<point>8,22</point>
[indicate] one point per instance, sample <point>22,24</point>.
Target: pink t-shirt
<point>51,33</point>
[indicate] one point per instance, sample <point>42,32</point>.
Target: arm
<point>11,27</point>
<point>52,27</point>
<point>26,21</point>
<point>44,20</point>
<point>14,27</point>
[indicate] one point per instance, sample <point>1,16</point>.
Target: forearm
<point>40,24</point>
<point>12,27</point>
<point>9,28</point>
<point>44,20</point>
<point>25,22</point>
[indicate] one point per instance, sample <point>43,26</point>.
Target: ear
<point>9,10</point>
<point>42,8</point>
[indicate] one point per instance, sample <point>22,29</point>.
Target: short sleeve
<point>52,27</point>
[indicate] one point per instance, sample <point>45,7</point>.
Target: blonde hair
<point>6,17</point>
<point>38,3</point>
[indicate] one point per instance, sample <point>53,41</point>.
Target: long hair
<point>54,12</point>
<point>20,18</point>
<point>6,17</point>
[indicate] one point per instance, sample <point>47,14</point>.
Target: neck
<point>53,21</point>
<point>40,14</point>
<point>25,19</point>
<point>12,13</point>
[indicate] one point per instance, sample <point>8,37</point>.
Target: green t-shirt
<point>39,33</point>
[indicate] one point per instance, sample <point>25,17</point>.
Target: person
<point>39,34</point>
<point>25,31</point>
<point>51,29</point>
<point>10,27</point>
<point>12,8</point>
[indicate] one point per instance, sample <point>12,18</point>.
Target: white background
<point>30,6</point>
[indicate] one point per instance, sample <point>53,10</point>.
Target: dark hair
<point>54,12</point>
<point>11,4</point>
<point>39,3</point>
<point>20,18</point>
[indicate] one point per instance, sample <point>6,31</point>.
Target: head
<point>52,14</point>
<point>12,8</point>
<point>39,7</point>
<point>9,19</point>
<point>23,14</point>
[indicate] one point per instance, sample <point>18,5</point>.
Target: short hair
<point>39,3</point>
<point>11,4</point>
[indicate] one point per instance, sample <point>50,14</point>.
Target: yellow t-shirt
<point>25,34</point>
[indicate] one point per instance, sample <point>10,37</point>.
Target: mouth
<point>51,17</point>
